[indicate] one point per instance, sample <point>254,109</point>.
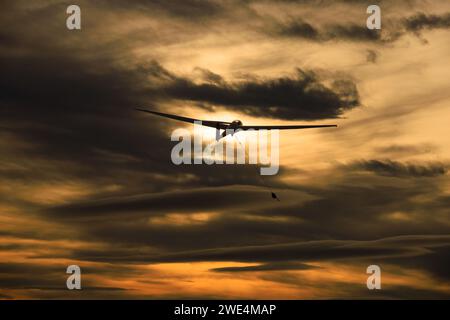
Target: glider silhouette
<point>234,126</point>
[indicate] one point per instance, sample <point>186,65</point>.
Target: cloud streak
<point>398,169</point>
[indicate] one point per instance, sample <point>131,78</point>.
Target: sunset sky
<point>86,179</point>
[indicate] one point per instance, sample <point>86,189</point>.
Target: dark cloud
<point>249,212</point>
<point>409,293</point>
<point>421,21</point>
<point>404,150</point>
<point>349,290</point>
<point>351,32</point>
<point>301,96</point>
<point>299,29</point>
<point>156,203</point>
<point>392,31</point>
<point>315,250</point>
<point>275,266</point>
<point>436,261</point>
<point>398,169</point>
<point>209,76</point>
<point>44,280</point>
<point>74,105</point>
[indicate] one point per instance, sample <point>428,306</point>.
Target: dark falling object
<point>274,196</point>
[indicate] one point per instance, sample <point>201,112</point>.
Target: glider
<point>234,126</point>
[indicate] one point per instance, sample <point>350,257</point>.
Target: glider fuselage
<point>232,128</point>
